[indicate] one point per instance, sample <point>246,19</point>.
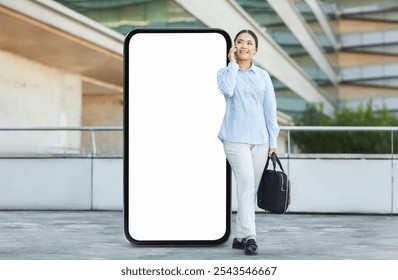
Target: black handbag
<point>273,193</point>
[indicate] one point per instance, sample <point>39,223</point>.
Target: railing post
<point>93,141</point>
<point>288,143</point>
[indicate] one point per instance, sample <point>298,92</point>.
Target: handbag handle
<point>274,158</point>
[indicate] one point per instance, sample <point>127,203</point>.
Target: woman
<point>249,130</point>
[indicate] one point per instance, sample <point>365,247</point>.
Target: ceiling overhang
<point>93,53</point>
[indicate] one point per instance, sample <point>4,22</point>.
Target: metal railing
<point>293,168</point>
<point>377,159</point>
<point>289,129</point>
<point>91,129</point>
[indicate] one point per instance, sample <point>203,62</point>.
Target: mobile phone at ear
<point>176,178</point>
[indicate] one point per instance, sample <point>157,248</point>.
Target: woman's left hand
<point>272,150</point>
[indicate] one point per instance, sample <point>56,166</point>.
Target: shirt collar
<point>253,68</point>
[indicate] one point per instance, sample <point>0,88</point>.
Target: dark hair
<point>251,33</point>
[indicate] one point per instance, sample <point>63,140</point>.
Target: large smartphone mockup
<point>176,177</point>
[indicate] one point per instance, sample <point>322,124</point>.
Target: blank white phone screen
<point>177,186</point>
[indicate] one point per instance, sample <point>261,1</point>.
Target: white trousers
<point>247,162</point>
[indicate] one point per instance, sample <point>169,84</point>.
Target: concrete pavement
<point>82,235</point>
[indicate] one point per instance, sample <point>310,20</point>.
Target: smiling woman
<point>249,130</point>
<point>246,44</point>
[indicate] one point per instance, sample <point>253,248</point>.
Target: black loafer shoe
<point>251,247</point>
<point>238,244</point>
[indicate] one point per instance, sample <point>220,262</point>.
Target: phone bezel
<point>126,142</point>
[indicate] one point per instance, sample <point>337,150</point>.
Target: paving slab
<point>91,235</point>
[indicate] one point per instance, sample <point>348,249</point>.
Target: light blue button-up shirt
<point>250,115</point>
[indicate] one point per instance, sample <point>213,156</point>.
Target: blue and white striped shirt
<point>250,115</point>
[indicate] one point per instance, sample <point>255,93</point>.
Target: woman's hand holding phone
<point>232,54</point>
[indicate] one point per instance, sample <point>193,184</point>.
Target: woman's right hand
<point>231,54</point>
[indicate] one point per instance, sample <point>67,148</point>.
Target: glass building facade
<point>364,57</point>
<point>125,15</point>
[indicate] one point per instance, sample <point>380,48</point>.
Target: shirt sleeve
<point>270,112</point>
<point>226,79</point>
